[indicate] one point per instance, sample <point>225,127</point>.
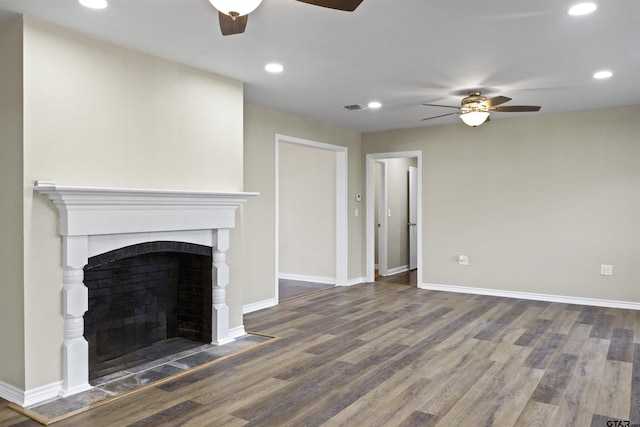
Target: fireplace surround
<point>95,221</point>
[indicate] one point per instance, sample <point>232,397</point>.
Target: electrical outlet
<point>606,270</point>
<point>463,260</point>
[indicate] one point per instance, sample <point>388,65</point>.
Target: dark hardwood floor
<point>387,354</point>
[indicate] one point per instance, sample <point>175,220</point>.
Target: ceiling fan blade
<point>442,115</point>
<point>492,102</point>
<point>517,108</point>
<point>230,26</point>
<point>444,106</point>
<point>346,5</point>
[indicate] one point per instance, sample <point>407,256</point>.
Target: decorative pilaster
<point>219,282</point>
<point>75,349</point>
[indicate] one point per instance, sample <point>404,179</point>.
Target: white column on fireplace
<point>220,280</point>
<point>98,220</point>
<point>75,349</point>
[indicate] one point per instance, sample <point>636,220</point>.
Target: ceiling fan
<point>233,14</point>
<point>475,108</point>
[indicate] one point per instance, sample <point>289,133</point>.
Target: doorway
<point>383,218</point>
<point>330,227</point>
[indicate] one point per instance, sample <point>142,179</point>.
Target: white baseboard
<point>43,393</point>
<point>307,278</point>
<point>237,332</point>
<point>260,305</point>
<point>355,281</point>
<point>11,393</point>
<point>30,397</point>
<point>628,305</point>
<point>395,270</point>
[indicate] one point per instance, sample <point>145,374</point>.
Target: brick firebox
<point>144,294</point>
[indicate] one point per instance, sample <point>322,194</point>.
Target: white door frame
<point>382,226</point>
<point>341,203</point>
<point>413,217</point>
<point>371,226</point>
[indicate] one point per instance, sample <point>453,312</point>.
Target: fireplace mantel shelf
<point>87,196</point>
<point>97,210</point>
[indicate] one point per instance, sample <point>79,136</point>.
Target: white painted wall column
<point>219,282</point>
<point>75,297</point>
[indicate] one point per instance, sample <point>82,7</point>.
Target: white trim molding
<point>381,232</point>
<point>354,281</point>
<point>396,270</point>
<point>307,278</point>
<point>16,395</point>
<point>237,332</point>
<point>260,305</point>
<point>97,220</point>
<point>32,396</point>
<point>627,305</point>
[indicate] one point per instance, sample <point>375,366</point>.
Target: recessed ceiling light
<point>274,68</point>
<point>374,104</point>
<point>94,4</point>
<point>582,9</point>
<point>603,74</point>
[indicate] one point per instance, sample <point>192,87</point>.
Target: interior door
<point>381,217</point>
<point>413,218</point>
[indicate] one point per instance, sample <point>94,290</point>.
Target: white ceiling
<point>400,52</point>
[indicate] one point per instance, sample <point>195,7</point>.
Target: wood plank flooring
<point>288,289</point>
<point>404,278</point>
<point>387,354</point>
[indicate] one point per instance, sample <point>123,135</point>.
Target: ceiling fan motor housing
<point>474,102</point>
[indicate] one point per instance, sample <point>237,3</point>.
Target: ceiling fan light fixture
<point>235,8</point>
<point>474,118</point>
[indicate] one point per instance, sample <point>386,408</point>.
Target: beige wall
<point>537,202</point>
<point>260,127</point>
<point>11,212</point>
<point>97,114</point>
<point>307,212</point>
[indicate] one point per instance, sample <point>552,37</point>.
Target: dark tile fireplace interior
<point>146,299</point>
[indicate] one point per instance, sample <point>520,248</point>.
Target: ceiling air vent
<point>354,107</point>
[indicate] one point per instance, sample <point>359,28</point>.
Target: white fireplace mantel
<point>91,210</point>
<point>97,220</point>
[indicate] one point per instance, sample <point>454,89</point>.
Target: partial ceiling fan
<point>475,108</point>
<point>233,14</point>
